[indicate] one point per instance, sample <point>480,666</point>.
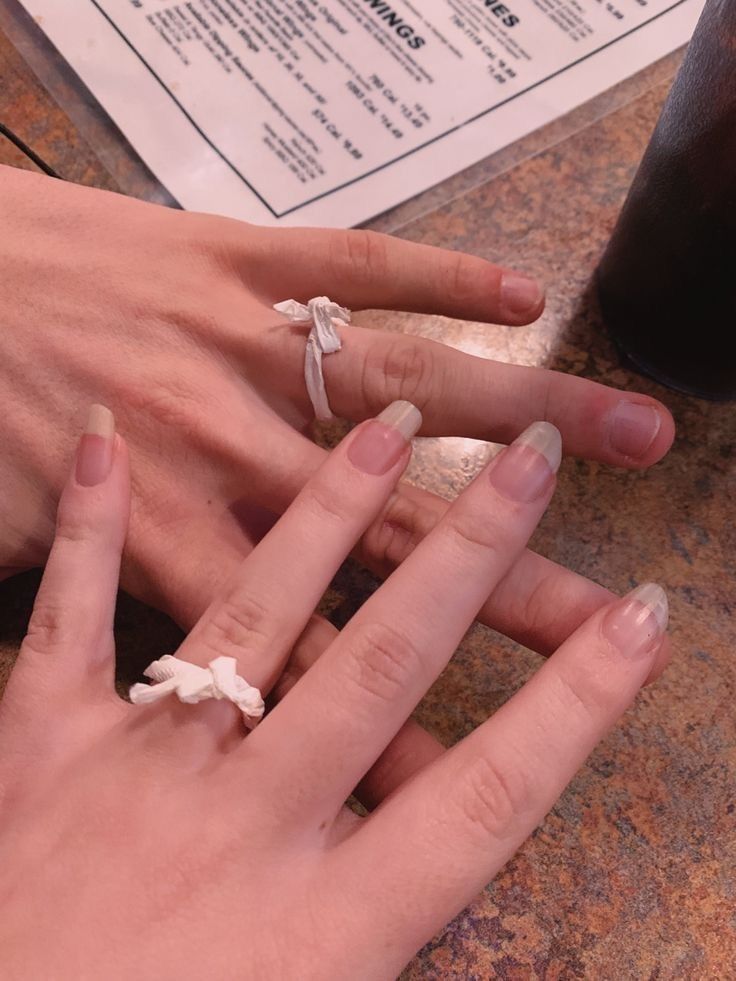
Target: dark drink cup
<point>667,281</point>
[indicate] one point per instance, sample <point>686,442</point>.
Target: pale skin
<point>163,841</point>
<point>167,317</point>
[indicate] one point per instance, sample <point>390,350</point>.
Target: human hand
<point>158,842</point>
<point>167,317</point>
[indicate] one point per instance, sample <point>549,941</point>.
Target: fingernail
<point>519,294</point>
<point>635,625</point>
<point>634,428</point>
<point>380,443</point>
<point>525,470</point>
<point>94,456</point>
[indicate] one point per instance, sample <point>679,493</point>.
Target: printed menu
<point>327,112</point>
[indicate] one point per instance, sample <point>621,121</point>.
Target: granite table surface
<point>633,874</point>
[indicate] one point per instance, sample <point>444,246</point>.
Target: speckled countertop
<point>633,874</point>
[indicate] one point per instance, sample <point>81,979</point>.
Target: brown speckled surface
<point>633,875</point>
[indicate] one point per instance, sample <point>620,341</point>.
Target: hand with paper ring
<point>161,840</point>
<point>168,318</point>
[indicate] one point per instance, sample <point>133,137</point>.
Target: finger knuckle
<point>473,531</point>
<point>49,629</point>
<point>324,504</point>
<point>77,524</point>
<point>388,542</point>
<point>178,402</point>
<point>361,252</point>
<point>405,369</point>
<point>543,601</point>
<point>199,323</point>
<point>382,660</point>
<point>585,693</point>
<point>211,236</point>
<point>238,624</point>
<point>397,533</point>
<point>461,278</point>
<point>493,796</point>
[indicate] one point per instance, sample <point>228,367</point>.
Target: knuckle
<point>548,382</point>
<point>397,533</point>
<point>360,251</point>
<point>494,794</point>
<point>584,693</point>
<point>382,660</point>
<point>238,624</point>
<point>461,279</point>
<point>535,610</point>
<point>198,323</point>
<point>473,531</point>
<point>177,402</point>
<point>49,628</point>
<point>324,503</point>
<point>75,525</point>
<point>210,236</point>
<point>407,370</point>
<point>388,542</point>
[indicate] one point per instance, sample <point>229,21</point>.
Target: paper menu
<point>327,113</point>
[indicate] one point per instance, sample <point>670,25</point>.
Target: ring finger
<point>463,395</point>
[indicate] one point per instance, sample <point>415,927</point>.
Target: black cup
<point>667,280</point>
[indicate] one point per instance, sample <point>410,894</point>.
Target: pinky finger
<point>69,644</point>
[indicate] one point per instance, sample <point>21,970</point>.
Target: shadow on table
<point>141,633</point>
<point>585,341</point>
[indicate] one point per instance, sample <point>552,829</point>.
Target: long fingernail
<point>94,456</point>
<point>633,428</point>
<point>379,444</point>
<point>519,294</point>
<point>525,470</point>
<point>636,624</point>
